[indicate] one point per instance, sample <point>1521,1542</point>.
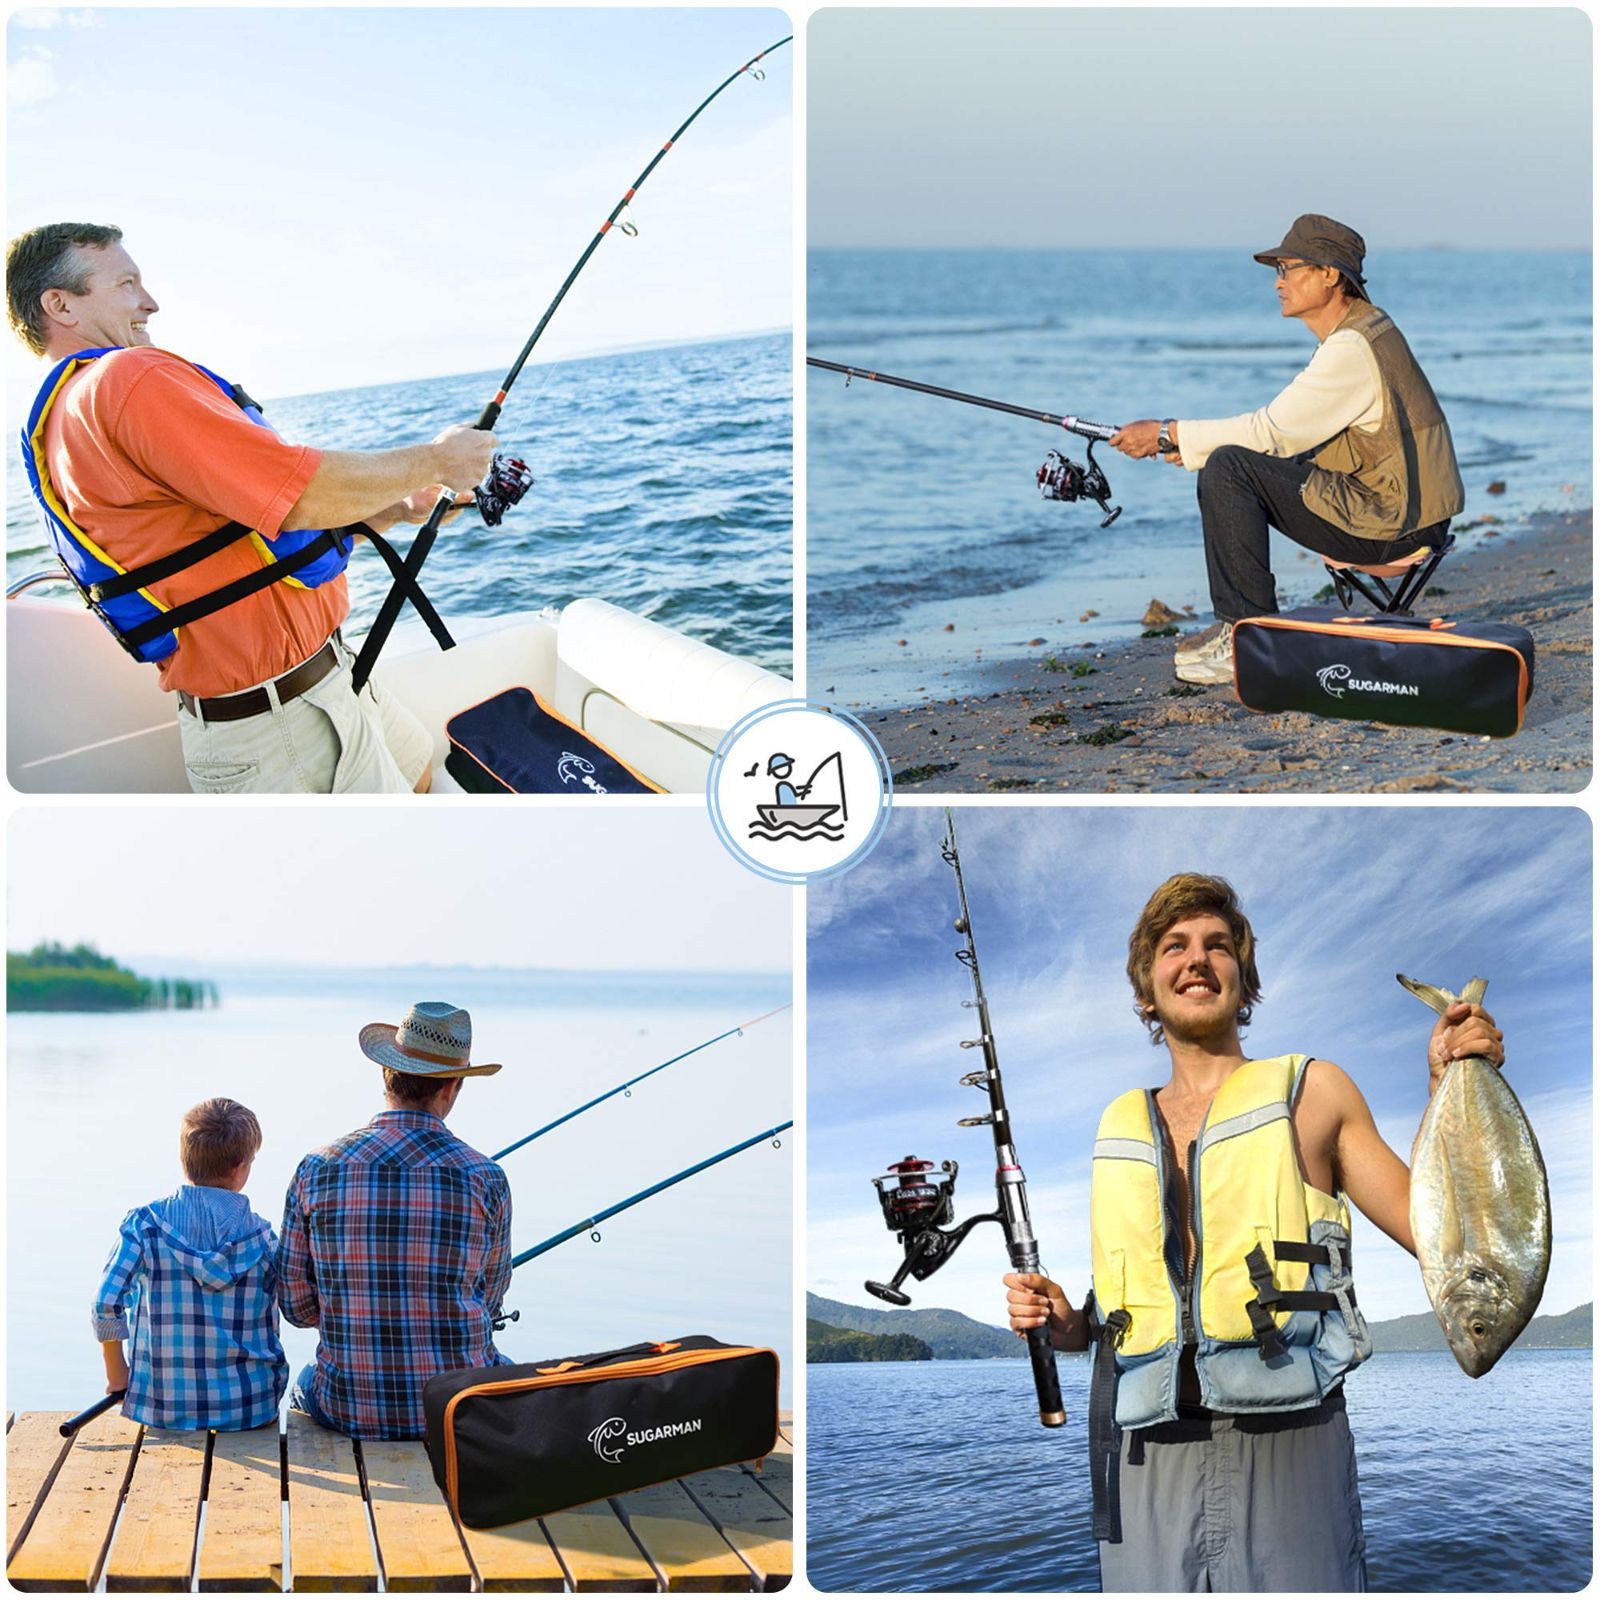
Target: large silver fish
<point>1480,1203</point>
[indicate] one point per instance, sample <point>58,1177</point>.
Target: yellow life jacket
<point>1268,1307</point>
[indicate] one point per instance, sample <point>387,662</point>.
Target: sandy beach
<point>1116,721</point>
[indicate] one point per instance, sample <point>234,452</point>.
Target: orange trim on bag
<point>1395,636</point>
<point>557,1376</point>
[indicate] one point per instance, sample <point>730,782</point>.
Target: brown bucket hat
<point>1324,243</point>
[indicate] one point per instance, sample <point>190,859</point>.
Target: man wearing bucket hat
<point>396,1239</point>
<point>1353,460</point>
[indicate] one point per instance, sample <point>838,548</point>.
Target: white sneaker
<point>1212,662</point>
<point>1194,645</point>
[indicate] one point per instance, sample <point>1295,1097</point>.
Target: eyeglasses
<point>1284,268</point>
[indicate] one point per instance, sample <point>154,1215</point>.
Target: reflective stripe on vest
<point>1273,1329</point>
<point>122,598</point>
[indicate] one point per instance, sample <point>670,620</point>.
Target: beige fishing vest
<point>1381,482</point>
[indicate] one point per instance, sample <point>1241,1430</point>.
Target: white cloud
<point>31,80</point>
<point>42,17</point>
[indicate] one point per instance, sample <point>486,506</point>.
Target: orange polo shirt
<point>148,455</point>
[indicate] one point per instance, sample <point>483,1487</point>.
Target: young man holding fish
<point>144,463</point>
<point>1230,1463</point>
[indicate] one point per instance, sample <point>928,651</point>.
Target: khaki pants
<point>325,741</point>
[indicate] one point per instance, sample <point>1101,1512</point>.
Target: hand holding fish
<point>1463,1030</point>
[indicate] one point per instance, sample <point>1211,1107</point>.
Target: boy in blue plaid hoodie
<point>196,1275</point>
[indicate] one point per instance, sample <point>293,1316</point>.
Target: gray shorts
<point>325,741</point>
<point>1240,1504</point>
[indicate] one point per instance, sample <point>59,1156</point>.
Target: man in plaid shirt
<point>195,1274</point>
<point>396,1240</point>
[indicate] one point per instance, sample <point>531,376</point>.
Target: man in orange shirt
<point>142,455</point>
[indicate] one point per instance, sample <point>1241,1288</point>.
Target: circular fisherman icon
<point>806,814</point>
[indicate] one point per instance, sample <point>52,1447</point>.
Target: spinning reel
<point>1063,479</point>
<point>918,1208</point>
<point>509,479</point>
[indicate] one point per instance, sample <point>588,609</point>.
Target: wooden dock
<point>141,1509</point>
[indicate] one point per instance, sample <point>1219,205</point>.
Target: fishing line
<point>626,1086</point>
<point>405,583</point>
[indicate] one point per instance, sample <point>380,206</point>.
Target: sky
<point>1125,126</point>
<point>1340,899</point>
<point>599,888</point>
<point>322,199</point>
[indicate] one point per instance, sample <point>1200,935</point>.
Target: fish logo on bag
<point>1328,677</point>
<point>611,1428</point>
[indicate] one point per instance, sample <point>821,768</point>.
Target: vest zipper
<point>1172,1221</point>
<point>1194,1224</point>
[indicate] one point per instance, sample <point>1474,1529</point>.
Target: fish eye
<point>1478,1330</point>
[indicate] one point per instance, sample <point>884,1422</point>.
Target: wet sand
<point>1116,721</point>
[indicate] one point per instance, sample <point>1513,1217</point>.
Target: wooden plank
<point>34,1453</point>
<point>777,1477</point>
<point>154,1546</point>
<point>417,1543</point>
<point>330,1543</point>
<point>68,1539</point>
<point>750,1519</point>
<point>515,1557</point>
<point>682,1545</point>
<point>241,1548</point>
<point>598,1552</point>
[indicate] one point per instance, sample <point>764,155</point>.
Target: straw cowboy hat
<point>434,1041</point>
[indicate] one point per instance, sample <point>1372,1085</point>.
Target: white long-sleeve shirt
<point>1338,389</point>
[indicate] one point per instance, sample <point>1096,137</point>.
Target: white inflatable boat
<point>82,718</point>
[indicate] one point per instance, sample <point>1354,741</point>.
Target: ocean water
<point>94,1103</point>
<point>937,1476</point>
<point>663,483</point>
<point>924,513</point>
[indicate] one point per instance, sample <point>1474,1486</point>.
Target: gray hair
<point>49,258</point>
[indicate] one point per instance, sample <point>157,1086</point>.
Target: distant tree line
<point>827,1344</point>
<point>58,977</point>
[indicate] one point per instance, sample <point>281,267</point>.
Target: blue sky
<point>1341,900</point>
<point>599,888</point>
<point>1125,126</point>
<point>329,198</point>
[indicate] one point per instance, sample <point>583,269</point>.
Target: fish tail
<point>1440,999</point>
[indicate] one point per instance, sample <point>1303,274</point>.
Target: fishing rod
<point>1058,478</point>
<point>593,1223</point>
<point>626,1088</point>
<point>510,485</point>
<point>83,1418</point>
<point>920,1205</point>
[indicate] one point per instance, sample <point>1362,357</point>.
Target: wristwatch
<point>1164,441</point>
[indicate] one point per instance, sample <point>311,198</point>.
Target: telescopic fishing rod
<point>920,1202</point>
<point>1058,478</point>
<point>83,1418</point>
<point>627,1086</point>
<point>513,484</point>
<point>593,1223</point>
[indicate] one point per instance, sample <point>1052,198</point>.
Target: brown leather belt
<point>253,702</point>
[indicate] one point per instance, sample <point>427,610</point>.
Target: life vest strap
<point>1104,1437</point>
<point>1270,1297</point>
<point>190,555</point>
<point>241,588</point>
<point>408,585</point>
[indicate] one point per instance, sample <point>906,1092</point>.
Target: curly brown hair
<point>217,1135</point>
<point>1189,894</point>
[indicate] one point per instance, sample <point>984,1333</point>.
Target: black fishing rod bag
<point>1463,677</point>
<point>513,743</point>
<point>508,1443</point>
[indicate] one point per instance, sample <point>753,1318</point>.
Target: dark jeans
<point>1243,493</point>
<point>300,1399</point>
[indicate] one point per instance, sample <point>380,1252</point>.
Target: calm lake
<point>935,1475</point>
<point>94,1104</point>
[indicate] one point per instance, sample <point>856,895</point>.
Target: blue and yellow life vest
<point>1268,1306</point>
<point>121,597</point>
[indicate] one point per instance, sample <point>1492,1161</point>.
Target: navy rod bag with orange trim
<point>513,743</point>
<point>507,1443</point>
<point>1462,677</point>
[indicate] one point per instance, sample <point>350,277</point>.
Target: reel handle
<point>884,1292</point>
<point>1046,1380</point>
